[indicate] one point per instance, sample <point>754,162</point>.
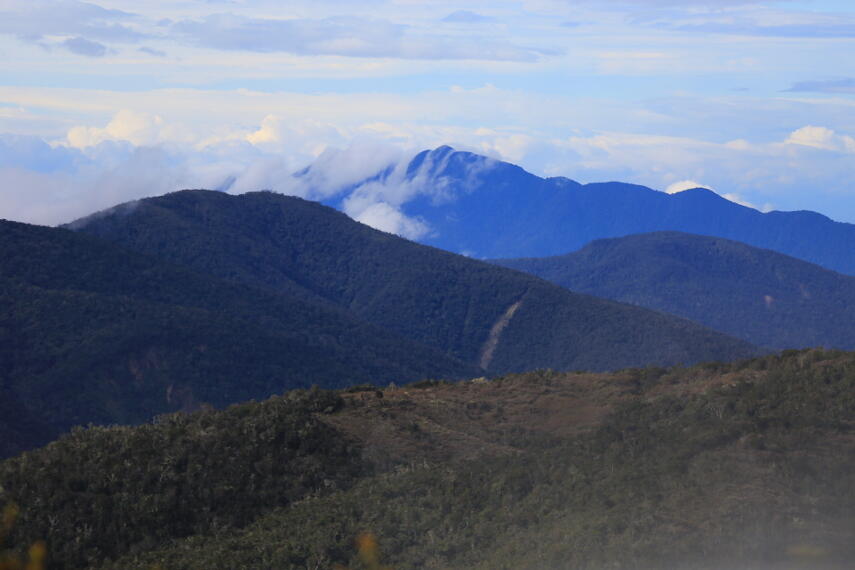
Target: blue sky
<point>106,101</point>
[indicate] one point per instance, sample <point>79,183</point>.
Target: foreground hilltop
<point>744,465</point>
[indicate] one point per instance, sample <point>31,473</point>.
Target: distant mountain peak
<point>563,182</point>
<point>443,149</point>
<point>701,191</point>
<point>465,202</point>
<point>444,161</point>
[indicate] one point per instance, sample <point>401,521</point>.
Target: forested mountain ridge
<point>761,296</point>
<point>488,316</point>
<point>740,465</point>
<point>91,332</point>
<point>493,209</point>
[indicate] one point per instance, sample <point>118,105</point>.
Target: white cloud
<point>387,218</point>
<point>278,132</point>
<point>822,138</point>
<point>683,185</point>
<point>736,198</point>
<point>261,139</point>
<point>140,129</point>
<point>336,169</point>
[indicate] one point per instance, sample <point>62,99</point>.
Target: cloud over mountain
<point>136,154</point>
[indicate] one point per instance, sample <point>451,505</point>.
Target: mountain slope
<point>461,306</point>
<point>492,209</point>
<point>758,295</point>
<point>90,332</point>
<point>744,466</point>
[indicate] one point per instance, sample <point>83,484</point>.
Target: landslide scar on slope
<point>489,347</point>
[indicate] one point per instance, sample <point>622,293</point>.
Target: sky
<point>112,100</point>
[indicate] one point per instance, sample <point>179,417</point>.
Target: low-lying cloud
<point>363,169</point>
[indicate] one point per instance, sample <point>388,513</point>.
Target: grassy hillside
<point>761,296</point>
<point>741,466</point>
<point>455,304</point>
<point>90,332</point>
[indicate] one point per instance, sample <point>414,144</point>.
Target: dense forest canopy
<point>92,332</point>
<point>443,300</point>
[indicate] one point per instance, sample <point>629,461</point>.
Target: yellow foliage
<point>10,560</point>
<point>369,553</point>
<point>10,513</point>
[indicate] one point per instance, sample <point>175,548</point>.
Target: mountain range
<point>761,296</point>
<point>199,297</point>
<point>487,208</point>
<point>491,317</point>
<point>198,300</point>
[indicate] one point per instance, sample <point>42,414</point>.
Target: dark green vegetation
<point>748,465</point>
<point>103,492</point>
<point>487,316</point>
<point>90,332</point>
<point>494,209</point>
<point>761,296</point>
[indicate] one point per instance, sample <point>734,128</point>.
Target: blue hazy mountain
<point>492,209</point>
<point>761,296</point>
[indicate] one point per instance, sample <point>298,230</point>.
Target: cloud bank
<point>116,100</point>
<point>364,168</point>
